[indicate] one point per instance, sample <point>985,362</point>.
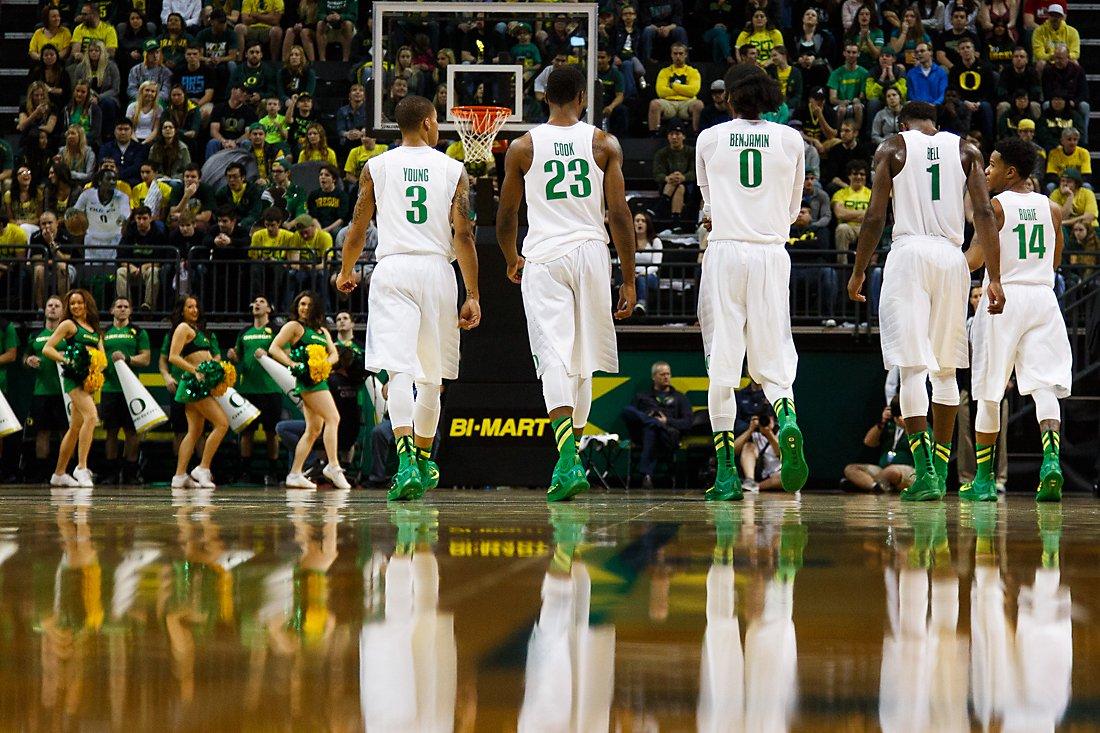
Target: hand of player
<point>627,300</point>
<point>470,315</point>
<point>515,270</point>
<point>707,224</point>
<point>996,298</point>
<point>855,285</point>
<point>887,414</point>
<point>347,281</point>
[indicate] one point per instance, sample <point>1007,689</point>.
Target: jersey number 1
<point>1035,244</point>
<point>581,186</point>
<point>417,212</point>
<point>934,169</point>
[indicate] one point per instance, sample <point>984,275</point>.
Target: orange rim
<point>482,118</point>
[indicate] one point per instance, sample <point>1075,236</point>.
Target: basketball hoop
<point>478,126</point>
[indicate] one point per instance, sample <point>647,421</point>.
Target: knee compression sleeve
<point>425,414</point>
<point>945,388</point>
<point>400,401</point>
<point>583,404</point>
<point>988,419</point>
<point>1046,404</point>
<point>722,405</point>
<point>557,388</point>
<point>913,392</point>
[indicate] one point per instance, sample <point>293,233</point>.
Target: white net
<point>478,127</point>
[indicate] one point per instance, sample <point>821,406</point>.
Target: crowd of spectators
<point>209,111</point>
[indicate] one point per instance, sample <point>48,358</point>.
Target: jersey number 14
<point>1035,243</point>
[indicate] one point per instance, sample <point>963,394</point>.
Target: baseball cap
<point>807,48</point>
<point>1026,125</point>
<point>151,45</point>
<point>676,126</point>
<point>1073,173</point>
<point>304,221</point>
<point>718,85</point>
<point>255,126</point>
<point>1056,9</point>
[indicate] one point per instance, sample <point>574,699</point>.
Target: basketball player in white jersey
<point>412,324</point>
<point>750,172</point>
<point>107,210</point>
<point>568,169</point>
<point>1030,335</point>
<point>922,311</point>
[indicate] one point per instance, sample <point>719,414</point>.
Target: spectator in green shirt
<point>123,341</point>
<point>846,86</point>
<point>336,17</point>
<point>47,413</point>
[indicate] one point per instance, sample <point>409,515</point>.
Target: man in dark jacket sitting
<point>656,420</point>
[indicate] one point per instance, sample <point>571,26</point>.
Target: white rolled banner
<point>282,377</point>
<point>240,411</point>
<point>144,410</point>
<point>9,423</point>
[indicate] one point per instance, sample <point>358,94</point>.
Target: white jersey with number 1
<point>413,188</point>
<point>564,192</point>
<point>750,173</point>
<point>928,190</point>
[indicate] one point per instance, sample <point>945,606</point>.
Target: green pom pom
<point>300,367</point>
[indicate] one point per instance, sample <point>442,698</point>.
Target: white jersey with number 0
<point>928,191</point>
<point>1027,239</point>
<point>750,173</point>
<point>413,189</point>
<point>104,220</point>
<point>564,192</point>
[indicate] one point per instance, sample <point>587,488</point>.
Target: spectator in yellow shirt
<point>1078,203</point>
<point>849,207</point>
<point>53,33</point>
<point>13,241</point>
<point>760,34</point>
<point>271,241</point>
<point>260,21</point>
<point>367,148</point>
<point>316,147</point>
<point>93,29</point>
<point>309,238</point>
<point>677,85</point>
<point>1068,154</point>
<point>1053,31</point>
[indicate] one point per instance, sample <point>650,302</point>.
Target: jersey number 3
<point>1035,244</point>
<point>581,186</point>
<point>417,212</point>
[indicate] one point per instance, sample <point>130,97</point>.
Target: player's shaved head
<point>564,85</point>
<point>412,111</point>
<point>751,91</point>
<point>1018,154</point>
<point>912,111</point>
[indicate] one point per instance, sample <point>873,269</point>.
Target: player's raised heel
<point>794,471</point>
<point>429,476</point>
<point>407,483</point>
<point>925,488</point>
<point>567,482</point>
<point>1050,482</point>
<point>979,490</point>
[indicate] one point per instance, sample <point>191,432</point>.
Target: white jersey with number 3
<point>413,189</point>
<point>928,191</point>
<point>1027,239</point>
<point>750,173</point>
<point>564,192</point>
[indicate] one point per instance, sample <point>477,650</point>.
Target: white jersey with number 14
<point>750,173</point>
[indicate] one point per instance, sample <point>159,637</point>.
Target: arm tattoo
<point>462,197</point>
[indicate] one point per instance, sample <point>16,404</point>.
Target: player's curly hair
<point>751,91</point>
<point>1018,154</point>
<point>564,84</point>
<point>917,111</point>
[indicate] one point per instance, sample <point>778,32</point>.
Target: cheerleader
<point>82,363</point>
<point>204,378</point>
<point>305,346</point>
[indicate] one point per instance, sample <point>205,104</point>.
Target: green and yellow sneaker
<point>926,485</point>
<point>941,457</point>
<point>979,489</point>
<point>567,482</point>
<point>1050,480</point>
<point>727,488</point>
<point>794,471</point>
<point>407,483</point>
<point>429,476</point>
